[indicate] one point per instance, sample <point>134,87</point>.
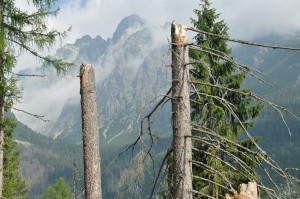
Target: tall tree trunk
<point>2,95</point>
<point>1,142</point>
<point>182,145</point>
<point>90,131</point>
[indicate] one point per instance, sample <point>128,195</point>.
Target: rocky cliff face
<point>130,73</point>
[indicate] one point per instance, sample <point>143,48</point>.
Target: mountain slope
<point>133,62</point>
<point>131,71</point>
<point>281,69</point>
<point>44,160</point>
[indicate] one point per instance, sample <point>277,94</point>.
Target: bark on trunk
<point>182,145</point>
<point>1,142</point>
<point>2,96</point>
<point>90,133</point>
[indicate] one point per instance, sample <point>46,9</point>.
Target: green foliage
<point>23,31</point>
<point>14,186</point>
<point>58,191</point>
<point>29,31</point>
<point>44,160</point>
<point>210,108</point>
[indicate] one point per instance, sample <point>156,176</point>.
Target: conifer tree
<point>14,184</point>
<point>208,112</point>
<point>60,190</point>
<point>23,31</point>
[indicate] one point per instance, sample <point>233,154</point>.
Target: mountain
<point>281,69</point>
<point>134,60</point>
<point>43,160</point>
<point>129,75</point>
<point>132,74</point>
<point>131,71</point>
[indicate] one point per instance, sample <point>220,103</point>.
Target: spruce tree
<point>209,112</point>
<point>60,190</point>
<point>14,184</point>
<point>23,31</point>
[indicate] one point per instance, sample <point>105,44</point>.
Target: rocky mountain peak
<point>83,40</point>
<point>132,21</point>
<point>121,90</point>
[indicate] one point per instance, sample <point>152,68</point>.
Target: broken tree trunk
<point>182,144</point>
<point>1,143</point>
<point>247,191</point>
<point>90,133</point>
<point>2,95</point>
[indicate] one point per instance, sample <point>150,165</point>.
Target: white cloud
<point>47,101</point>
<point>83,20</point>
<point>246,19</point>
<point>101,17</point>
<point>254,18</point>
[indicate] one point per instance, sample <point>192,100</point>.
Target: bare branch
<point>225,57</point>
<point>40,117</point>
<point>242,41</point>
<point>218,184</point>
<point>159,172</point>
<point>292,169</point>
<point>203,194</point>
<point>158,104</point>
<point>27,75</point>
<point>201,164</point>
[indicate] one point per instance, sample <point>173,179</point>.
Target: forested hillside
<point>43,159</point>
<point>281,69</point>
<point>180,104</point>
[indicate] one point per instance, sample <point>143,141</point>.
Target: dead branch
<point>27,75</point>
<point>225,57</point>
<point>201,164</point>
<point>40,117</point>
<point>203,194</point>
<point>225,37</point>
<point>292,169</point>
<point>158,104</point>
<point>159,172</point>
<point>210,181</point>
<point>139,138</point>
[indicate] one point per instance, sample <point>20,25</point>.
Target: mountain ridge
<point>134,54</point>
<point>132,74</point>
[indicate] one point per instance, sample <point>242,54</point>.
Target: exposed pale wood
<point>90,133</point>
<point>182,145</point>
<point>247,191</point>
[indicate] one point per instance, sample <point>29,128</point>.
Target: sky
<point>246,19</point>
